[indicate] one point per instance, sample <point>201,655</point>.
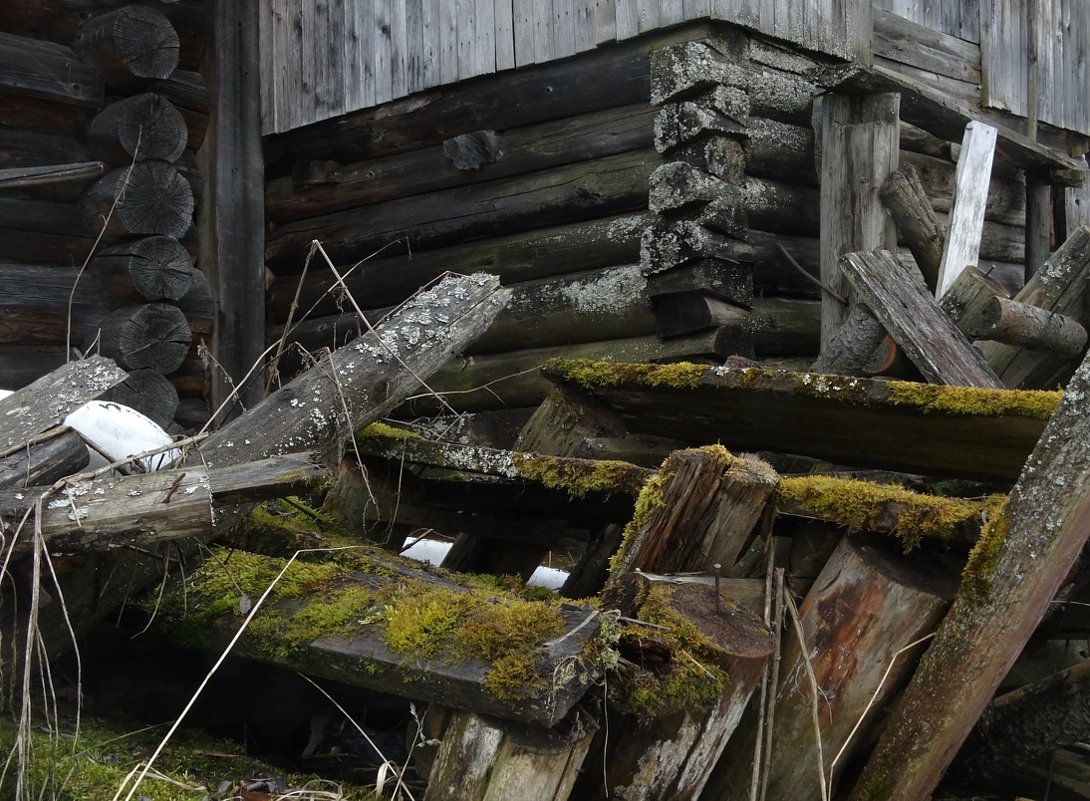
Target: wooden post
<point>1023,557</point>
<point>974,173</point>
<point>864,607</point>
<point>860,142</point>
<point>233,240</point>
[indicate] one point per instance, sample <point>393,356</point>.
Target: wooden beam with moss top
<point>386,624</point>
<point>898,425</point>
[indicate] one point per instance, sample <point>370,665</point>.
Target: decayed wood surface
<point>1059,286</point>
<point>143,510</point>
<point>130,44</point>
<point>1025,556</point>
<point>45,403</point>
<point>864,607</point>
<point>59,455</point>
<point>898,425</point>
<point>974,173</point>
<point>860,142</point>
<point>913,318</point>
<point>916,222</point>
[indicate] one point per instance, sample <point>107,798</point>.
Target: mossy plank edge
<point>917,428</point>
<point>576,477</point>
<point>866,506</point>
<point>329,620</point>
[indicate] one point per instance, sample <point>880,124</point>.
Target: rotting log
<point>47,71</point>
<point>129,44</point>
<point>151,197</point>
<point>41,304</point>
<point>481,759</point>
<point>365,379</point>
<point>1059,286</point>
<point>59,454</point>
<point>143,127</point>
<point>1023,557</point>
<point>707,503</point>
<point>899,425</point>
<point>914,320</point>
<point>563,422</point>
<point>153,336</point>
<point>859,148</point>
<point>360,622</point>
<point>865,608</point>
<point>666,747</point>
<point>152,268</point>
<point>916,222</point>
<point>38,407</point>
<point>145,509</point>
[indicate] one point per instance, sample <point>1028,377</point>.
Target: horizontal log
<point>61,454</point>
<point>145,126</point>
<point>20,364</point>
<point>576,192</point>
<point>129,44</point>
<point>47,71</point>
<point>46,116</point>
<point>198,307</point>
<point>896,425</point>
<point>152,268</point>
<point>20,147</point>
<point>149,392</point>
<point>396,272</point>
<point>153,336</point>
<point>320,187</point>
<point>148,198</point>
<point>48,176</point>
<point>42,303</point>
<point>188,91</point>
<point>394,654</point>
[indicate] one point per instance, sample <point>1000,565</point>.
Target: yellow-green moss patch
<point>580,477</point>
<point>864,505</point>
<point>380,430</point>
<point>1034,404</point>
<point>593,374</point>
<point>976,578</point>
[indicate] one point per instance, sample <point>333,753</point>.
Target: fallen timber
<point>956,431</point>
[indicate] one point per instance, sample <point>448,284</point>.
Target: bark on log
<point>914,320</point>
<point>916,222</point>
<point>47,71</point>
<point>1059,286</point>
<point>132,43</point>
<point>45,403</point>
<point>152,198</point>
<point>1031,328</point>
<point>866,605</point>
<point>153,268</point>
<point>710,502</point>
<point>154,336</point>
<point>853,345</point>
<point>1011,580</point>
<point>365,379</point>
<point>58,456</point>
<point>671,755</point>
<point>142,127</point>
<point>481,759</point>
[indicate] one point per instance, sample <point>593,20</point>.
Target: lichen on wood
<point>593,374</point>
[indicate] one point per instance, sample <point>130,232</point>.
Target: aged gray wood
<point>853,344</point>
<point>130,44</point>
<point>963,234</point>
<point>144,126</point>
<point>15,177</point>
<point>902,39</point>
<point>860,138</point>
<point>62,453</point>
<point>1038,223</point>
<point>45,403</point>
<point>916,222</point>
<point>49,71</point>
<point>914,320</point>
<point>152,268</point>
<point>151,197</point>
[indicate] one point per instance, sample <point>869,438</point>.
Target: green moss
<point>1034,404</point>
<point>421,623</point>
<point>864,505</point>
<point>692,680</point>
<point>100,761</point>
<point>579,477</point>
<point>593,374</point>
<point>384,431</point>
<point>976,577</point>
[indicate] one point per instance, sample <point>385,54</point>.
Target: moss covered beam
<point>897,425</point>
<point>375,621</point>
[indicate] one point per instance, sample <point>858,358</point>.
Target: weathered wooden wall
<point>324,58</point>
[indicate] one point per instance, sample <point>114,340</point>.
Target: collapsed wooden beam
<point>919,227</point>
<point>1023,557</point>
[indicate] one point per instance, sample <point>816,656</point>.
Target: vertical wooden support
<point>860,143</point>
<point>1024,555</point>
<point>1038,223</point>
<point>971,181</point>
<point>1076,207</point>
<point>233,236</point>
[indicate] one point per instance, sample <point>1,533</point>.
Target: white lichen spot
<point>79,513</point>
<point>134,493</point>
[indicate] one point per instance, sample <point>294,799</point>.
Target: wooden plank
<point>1003,49</point>
<point>890,424</point>
<point>1077,204</point>
<point>268,23</point>
<point>902,40</point>
<point>399,49</point>
<point>505,34</point>
<point>448,41</point>
<point>1038,223</point>
<point>484,37</point>
<point>563,28</point>
<point>431,51</point>
<point>414,46</point>
<point>934,344</point>
<point>382,50</point>
<point>860,145</point>
<point>1007,591</point>
<point>648,15</point>
<point>525,50</point>
<point>605,20</point>
<point>963,234</point>
<point>628,19</point>
<point>543,31</point>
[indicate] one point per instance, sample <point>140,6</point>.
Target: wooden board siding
<point>325,58</point>
<point>960,19</point>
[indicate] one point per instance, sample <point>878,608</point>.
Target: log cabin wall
<point>690,149</point>
<point>98,95</point>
